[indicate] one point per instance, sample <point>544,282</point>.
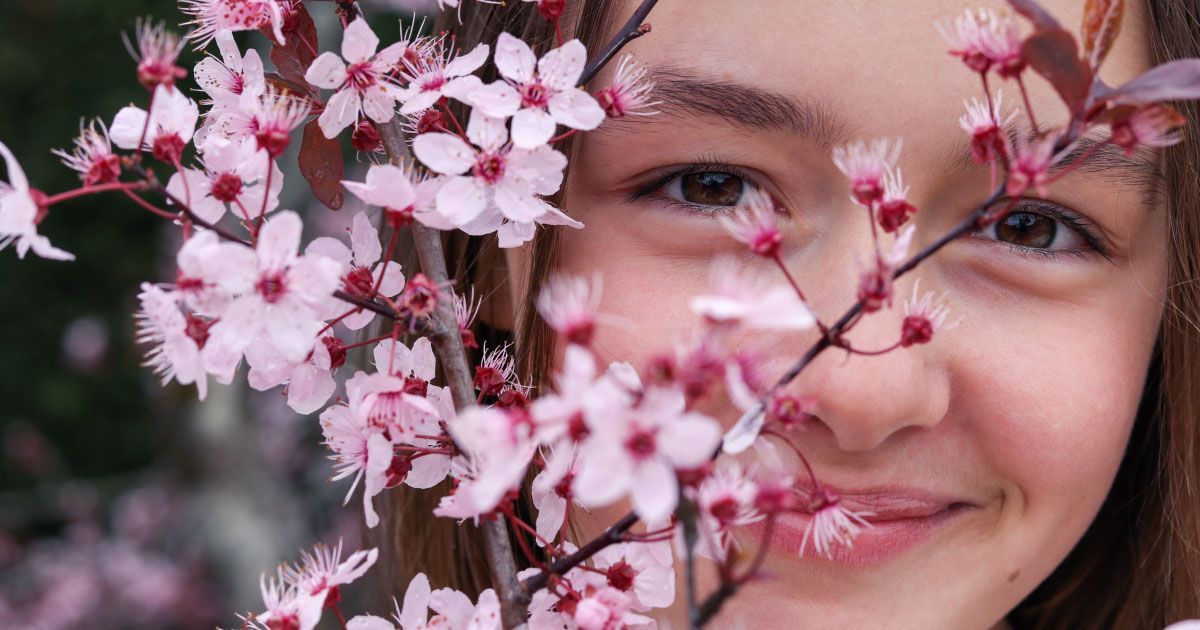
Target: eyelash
<point>1082,226</point>
<point>701,166</point>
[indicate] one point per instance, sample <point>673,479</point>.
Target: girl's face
<point>992,448</point>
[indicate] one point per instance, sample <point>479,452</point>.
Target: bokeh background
<point>124,504</point>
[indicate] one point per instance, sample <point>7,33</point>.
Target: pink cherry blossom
<point>725,499</point>
<point>755,224</point>
<point>923,316</point>
<point>211,17</point>
<point>456,610</point>
<point>309,382</point>
<point>226,79</point>
<point>392,188</point>
<point>629,92</point>
<point>603,608</point>
<point>578,393</point>
<point>173,119</point>
<point>361,80</point>
<point>273,117</point>
<point>966,36</point>
<point>569,305</point>
<point>492,187</point>
<point>1154,125</point>
<point>894,208</point>
<point>831,523</point>
<point>986,126</point>
<point>360,272</point>
<point>20,213</point>
<point>287,606</point>
<point>156,53</point>
<point>1030,165</point>
<point>359,450</point>
<point>500,445</point>
<point>537,94</point>
<point>320,573</point>
<point>865,165</point>
<point>175,340</point>
<point>643,571</point>
<point>233,175</point>
<point>437,72</point>
<point>551,489</point>
<point>637,452</point>
<point>741,297</point>
<point>93,157</point>
<point>278,291</point>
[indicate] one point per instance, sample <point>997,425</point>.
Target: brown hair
<point>1137,566</point>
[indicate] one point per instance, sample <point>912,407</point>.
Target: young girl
<point>1035,466</point>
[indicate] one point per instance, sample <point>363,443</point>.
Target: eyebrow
<point>1139,170</point>
<point>679,91</point>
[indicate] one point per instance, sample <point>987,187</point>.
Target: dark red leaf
<point>294,57</point>
<point>1041,18</point>
<point>1055,55</point>
<point>1101,23</point>
<point>321,164</point>
<point>1177,80</point>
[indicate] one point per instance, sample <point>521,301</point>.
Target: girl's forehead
<point>884,64</point>
<point>829,72</point>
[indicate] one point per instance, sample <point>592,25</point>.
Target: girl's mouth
<point>891,521</point>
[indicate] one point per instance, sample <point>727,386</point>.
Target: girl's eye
<point>1043,228</point>
<point>706,188</point>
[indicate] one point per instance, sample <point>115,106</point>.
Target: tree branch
<point>447,342</point>
<point>633,29</point>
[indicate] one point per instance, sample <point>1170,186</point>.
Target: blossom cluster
<point>248,290</point>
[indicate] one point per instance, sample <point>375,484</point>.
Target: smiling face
<point>986,452</point>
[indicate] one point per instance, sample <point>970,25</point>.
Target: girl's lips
<point>900,520</point>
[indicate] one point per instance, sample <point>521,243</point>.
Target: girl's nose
<point>865,400</point>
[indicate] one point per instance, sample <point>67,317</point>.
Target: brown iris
<point>712,188</point>
<point>1026,229</point>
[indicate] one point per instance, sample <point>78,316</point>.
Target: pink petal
<point>561,68</point>
<point>690,441</point>
<point>125,130</point>
<point>356,321</point>
<point>468,63</point>
<point>427,471</point>
<point>313,278</point>
<point>423,361</point>
<point>497,99</point>
<point>240,323</point>
<point>461,199</point>
<point>309,388</point>
<point>195,194</point>
<point>514,234</point>
<point>515,200</point>
<point>359,42</point>
<point>603,474</point>
<point>392,278</point>
<point>327,72</point>
<point>364,239</point>
<point>417,101</point>
<point>486,132</point>
<point>279,240</point>
<point>333,249</point>
<point>514,59</point>
<point>654,490</point>
<point>444,153</point>
<point>462,88</point>
<point>416,602</point>
<point>532,128</point>
<point>292,329</point>
<point>576,109</point>
<point>340,112</point>
<point>379,104</point>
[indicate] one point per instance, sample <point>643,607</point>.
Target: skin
<point>1023,410</point>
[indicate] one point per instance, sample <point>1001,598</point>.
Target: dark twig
<point>633,29</point>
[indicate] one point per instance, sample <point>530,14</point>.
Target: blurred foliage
<point>61,60</point>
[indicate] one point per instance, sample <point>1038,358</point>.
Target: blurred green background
<point>124,504</point>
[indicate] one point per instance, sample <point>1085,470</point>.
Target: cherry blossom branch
<point>447,343</point>
<point>633,29</point>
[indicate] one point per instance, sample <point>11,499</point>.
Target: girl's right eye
<point>707,189</point>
